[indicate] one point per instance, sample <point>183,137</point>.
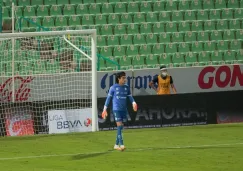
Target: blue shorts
<point>120,116</point>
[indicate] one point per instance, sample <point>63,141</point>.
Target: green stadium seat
<point>183,47</point>
<point>158,6</point>
<point>145,49</point>
<point>6,12</point>
<point>97,27</point>
<point>106,51</point>
<point>102,1</point>
<point>61,21</point>
<point>216,35</point>
<point>114,1</point>
<point>132,50</point>
<point>152,61</point>
<point>197,46</point>
<point>132,28</point>
<point>208,4</point>
<point>146,6</point>
<point>164,16</point>
<point>184,5</point>
<point>29,11</point>
<point>120,29</point>
<point>50,2</point>
<point>171,27</point>
<point>171,48</point>
<point>158,49</point>
<point>209,46</point>
<point>101,19</point>
<point>114,19</point>
<point>42,10</point>
<point>214,14</point>
<point>171,5</point>
<point>220,4</point>
<point>202,15</point>
<point>62,2</point>
<point>151,38</point>
<point>48,21</point>
<point>107,8</point>
<point>227,13</point>
<point>139,39</point>
<point>235,24</point>
<point>133,7</point>
<point>107,29</point>
<point>235,44</point>
<point>203,36</point>
<point>9,2</point>
<point>177,37</point>
<point>125,62</point>
<point>120,7</point>
<point>101,41</point>
<point>87,19</point>
<point>139,17</point>
<point>126,18</point>
<point>119,51</point>
<point>204,58</point>
<point>233,4</point>
<point>178,59</point>
<point>158,27</point>
<point>24,2</point>
<point>74,20</point>
<point>239,56</point>
<point>196,5</point>
<point>190,15</point>
<point>217,57</point>
<point>82,9</point>
<point>177,16</point>
<point>190,36</point>
<point>197,26</point>
<point>36,20</point>
<point>102,64</point>
<point>239,13</point>
<point>165,59</point>
<point>88,1</point>
<point>18,11</point>
<point>222,45</point>
<point>209,25</point>
<point>229,35</point>
<point>229,57</point>
<point>95,8</point>
<point>69,9</point>
<point>113,40</point>
<point>191,59</point>
<point>184,26</point>
<point>152,17</point>
<point>146,28</point>
<point>165,37</point>
<point>55,10</point>
<point>222,24</point>
<point>241,3</point>
<point>239,34</point>
<point>138,61</point>
<point>126,39</point>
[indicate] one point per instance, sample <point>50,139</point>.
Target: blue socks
<point>119,139</point>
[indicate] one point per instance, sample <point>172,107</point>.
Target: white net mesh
<point>45,84</point>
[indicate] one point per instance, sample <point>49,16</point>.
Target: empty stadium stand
<point>144,34</point>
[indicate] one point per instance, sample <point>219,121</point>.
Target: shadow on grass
<point>90,155</point>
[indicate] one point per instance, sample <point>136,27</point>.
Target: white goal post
<point>47,71</point>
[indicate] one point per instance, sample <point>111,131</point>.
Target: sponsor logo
<point>140,82</point>
<point>88,122</point>
<point>222,77</point>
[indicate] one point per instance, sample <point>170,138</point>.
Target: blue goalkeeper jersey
<point>119,94</point>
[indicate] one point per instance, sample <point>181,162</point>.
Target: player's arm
<point>134,104</point>
<point>151,83</point>
<point>172,85</point>
<point>107,102</point>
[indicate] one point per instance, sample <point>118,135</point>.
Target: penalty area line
<point>128,150</point>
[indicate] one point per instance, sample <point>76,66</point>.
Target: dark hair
<point>119,75</point>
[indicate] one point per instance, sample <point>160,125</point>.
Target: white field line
<point>128,150</point>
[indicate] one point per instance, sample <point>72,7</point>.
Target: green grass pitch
<point>192,148</point>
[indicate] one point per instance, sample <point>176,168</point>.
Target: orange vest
<point>163,85</point>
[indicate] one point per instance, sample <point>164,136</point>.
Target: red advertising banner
<point>18,122</point>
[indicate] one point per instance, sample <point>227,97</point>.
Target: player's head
<point>163,71</point>
<point>121,78</point>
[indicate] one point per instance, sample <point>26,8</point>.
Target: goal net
<point>48,82</point>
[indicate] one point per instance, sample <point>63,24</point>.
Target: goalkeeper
<point>119,93</point>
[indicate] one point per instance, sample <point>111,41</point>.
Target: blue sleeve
<point>129,94</point>
<point>109,96</point>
